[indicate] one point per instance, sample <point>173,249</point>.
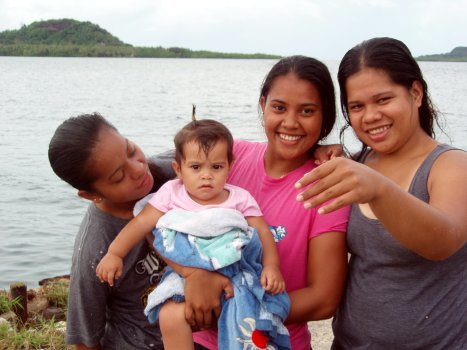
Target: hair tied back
<point>193,115</point>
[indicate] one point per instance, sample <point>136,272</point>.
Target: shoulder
<point>451,162</point>
<point>241,147</point>
<point>97,230</point>
<point>447,175</point>
<point>100,225</point>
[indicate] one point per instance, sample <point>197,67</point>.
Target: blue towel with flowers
<point>219,239</point>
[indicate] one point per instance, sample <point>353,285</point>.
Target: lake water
<point>148,100</point>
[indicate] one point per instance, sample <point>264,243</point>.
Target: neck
<point>419,145</point>
<point>277,167</point>
<point>119,210</point>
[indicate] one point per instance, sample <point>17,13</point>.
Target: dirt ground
<point>321,334</point>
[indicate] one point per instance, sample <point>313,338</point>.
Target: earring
<point>97,200</point>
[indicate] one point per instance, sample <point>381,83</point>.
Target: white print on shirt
<point>152,266</point>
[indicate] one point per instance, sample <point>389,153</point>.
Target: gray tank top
<point>396,299</point>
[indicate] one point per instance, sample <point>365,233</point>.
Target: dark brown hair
<point>205,132</point>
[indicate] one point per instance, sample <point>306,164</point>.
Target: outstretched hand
<point>341,181</point>
<point>203,290</point>
<point>109,268</point>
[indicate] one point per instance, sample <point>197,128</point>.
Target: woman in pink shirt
<point>297,111</point>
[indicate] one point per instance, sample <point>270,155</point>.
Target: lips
<point>378,130</point>
<point>205,186</point>
<point>146,179</point>
<point>290,138</point>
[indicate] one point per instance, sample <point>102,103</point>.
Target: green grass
<point>37,332</point>
<point>6,305</point>
<point>56,293</point>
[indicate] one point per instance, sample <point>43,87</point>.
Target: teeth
<point>289,137</point>
<point>378,130</point>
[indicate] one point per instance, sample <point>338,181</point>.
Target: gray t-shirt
<point>112,316</point>
<point>396,299</point>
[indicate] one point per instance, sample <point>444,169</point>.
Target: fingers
<point>322,188</point>
<point>228,290</point>
<point>109,276</point>
<point>272,282</point>
<point>333,181</point>
<point>190,315</point>
<point>202,318</point>
<point>275,287</point>
<point>316,174</point>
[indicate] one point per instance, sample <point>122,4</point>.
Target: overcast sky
<point>324,29</point>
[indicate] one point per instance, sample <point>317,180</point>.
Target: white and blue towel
<point>219,239</point>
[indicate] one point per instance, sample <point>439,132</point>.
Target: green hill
<point>72,38</point>
<point>458,54</point>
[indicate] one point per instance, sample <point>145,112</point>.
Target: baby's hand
<point>327,152</point>
<point>109,268</point>
<point>271,280</point>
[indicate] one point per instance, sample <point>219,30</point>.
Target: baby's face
<point>204,176</point>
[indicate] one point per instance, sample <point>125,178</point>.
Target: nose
<point>137,169</point>
<point>371,114</point>
<point>290,119</point>
<point>206,175</point>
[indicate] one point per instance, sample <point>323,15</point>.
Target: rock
<point>53,312</point>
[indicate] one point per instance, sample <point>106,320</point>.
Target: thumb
<point>228,290</point>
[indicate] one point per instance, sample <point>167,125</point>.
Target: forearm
<point>326,277</point>
<point>270,254</point>
<point>307,305</point>
<point>419,226</point>
<point>135,231</point>
<point>127,239</point>
<point>183,271</point>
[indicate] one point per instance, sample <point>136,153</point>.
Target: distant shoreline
<point>71,38</point>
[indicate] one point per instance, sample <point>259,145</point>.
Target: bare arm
<point>326,275</point>
<point>434,230</point>
<point>135,231</point>
<point>270,255</point>
<point>111,265</point>
<point>271,277</point>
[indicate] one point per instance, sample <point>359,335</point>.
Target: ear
<point>176,168</point>
<point>91,196</point>
<point>417,92</point>
<point>262,103</point>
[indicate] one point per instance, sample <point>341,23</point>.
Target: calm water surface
<point>148,100</point>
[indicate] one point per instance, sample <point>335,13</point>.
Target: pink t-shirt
<point>173,195</point>
<point>293,225</point>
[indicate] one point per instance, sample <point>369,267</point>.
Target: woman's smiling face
<point>292,118</point>
<point>383,114</point>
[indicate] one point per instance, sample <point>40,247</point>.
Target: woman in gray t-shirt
<point>112,173</point>
<point>407,230</point>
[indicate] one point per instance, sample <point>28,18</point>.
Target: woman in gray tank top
<point>407,233</point>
